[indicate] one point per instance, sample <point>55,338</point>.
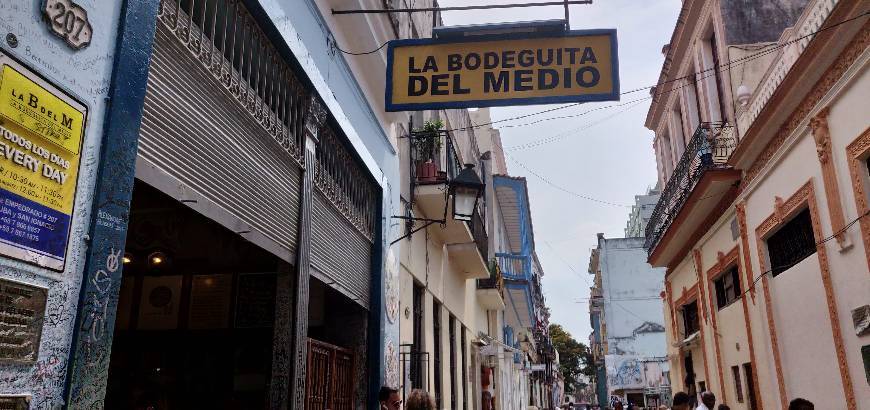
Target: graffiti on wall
<point>633,372</point>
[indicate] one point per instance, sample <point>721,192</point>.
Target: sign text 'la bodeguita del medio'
<point>487,71</point>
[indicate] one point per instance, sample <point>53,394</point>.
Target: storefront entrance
<point>195,313</point>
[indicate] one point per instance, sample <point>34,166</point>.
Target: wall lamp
<point>466,189</point>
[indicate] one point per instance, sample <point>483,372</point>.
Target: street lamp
<point>466,189</point>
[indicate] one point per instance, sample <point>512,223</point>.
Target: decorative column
<point>314,119</point>
<point>91,349</point>
<point>822,137</point>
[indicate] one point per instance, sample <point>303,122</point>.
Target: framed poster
<point>158,306</point>
<point>210,297</point>
<point>41,134</point>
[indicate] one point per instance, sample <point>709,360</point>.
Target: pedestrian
<point>680,401</point>
<point>389,398</point>
<point>617,405</point>
<point>801,404</point>
<point>420,400</point>
<point>723,407</point>
<point>708,401</point>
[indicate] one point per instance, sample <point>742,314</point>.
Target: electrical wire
<point>362,53</point>
<point>713,70</point>
<point>788,266</point>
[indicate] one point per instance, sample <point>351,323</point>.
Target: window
<point>416,356</point>
<point>452,332</point>
<point>792,243</point>
<point>738,387</point>
<point>720,85</point>
<point>727,288</point>
<point>750,385</point>
<point>690,318</point>
<point>462,347</point>
<point>436,334</point>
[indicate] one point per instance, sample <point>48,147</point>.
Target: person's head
<point>617,405</point>
<point>389,398</point>
<point>709,399</point>
<point>801,404</point>
<point>723,407</point>
<point>663,407</point>
<point>680,401</point>
<point>420,400</point>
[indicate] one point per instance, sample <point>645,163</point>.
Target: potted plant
<point>426,144</point>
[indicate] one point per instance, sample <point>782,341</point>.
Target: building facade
<point>761,140</point>
<point>629,344</point>
<point>641,212</point>
<point>202,265</point>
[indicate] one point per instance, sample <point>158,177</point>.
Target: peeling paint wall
<point>632,304</point>
<point>85,74</point>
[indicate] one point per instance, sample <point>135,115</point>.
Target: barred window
<point>690,318</point>
<point>792,243</point>
<point>738,386</point>
<point>727,288</point>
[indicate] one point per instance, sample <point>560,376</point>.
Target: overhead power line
<point>708,71</point>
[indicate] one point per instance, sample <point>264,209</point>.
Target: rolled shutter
<point>195,130</point>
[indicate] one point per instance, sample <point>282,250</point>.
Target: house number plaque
<point>69,21</point>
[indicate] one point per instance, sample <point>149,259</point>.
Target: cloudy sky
<point>606,154</point>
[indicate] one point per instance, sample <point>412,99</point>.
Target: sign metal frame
<point>390,106</point>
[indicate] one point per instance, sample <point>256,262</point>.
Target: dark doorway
<point>195,313</point>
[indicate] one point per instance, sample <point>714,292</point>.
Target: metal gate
<point>330,377</point>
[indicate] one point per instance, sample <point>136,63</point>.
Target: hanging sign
<point>41,132</point>
<point>485,71</point>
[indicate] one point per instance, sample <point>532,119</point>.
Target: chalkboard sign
<point>255,300</point>
<point>22,309</point>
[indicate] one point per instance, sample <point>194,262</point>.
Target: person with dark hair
<point>723,407</point>
<point>680,401</point>
<point>801,404</point>
<point>389,398</point>
<point>420,400</point>
<point>708,401</point>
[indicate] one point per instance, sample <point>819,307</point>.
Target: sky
<point>606,154</point>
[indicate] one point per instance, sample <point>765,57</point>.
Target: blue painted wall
<point>86,75</point>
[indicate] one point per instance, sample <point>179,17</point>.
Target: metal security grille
<point>416,367</point>
<point>330,377</point>
<point>792,243</point>
<point>224,115</point>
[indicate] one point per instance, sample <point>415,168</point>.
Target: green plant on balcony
<point>426,144</point>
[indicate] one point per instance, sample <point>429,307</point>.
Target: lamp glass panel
<point>464,200</point>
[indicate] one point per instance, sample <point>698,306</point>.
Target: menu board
<point>210,297</point>
<point>158,307</point>
<point>22,309</point>
<point>255,300</point>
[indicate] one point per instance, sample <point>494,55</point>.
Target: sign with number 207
<point>69,21</point>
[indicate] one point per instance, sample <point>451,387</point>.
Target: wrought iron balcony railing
<point>494,281</point>
<point>478,232</point>
<point>434,159</point>
<point>710,148</point>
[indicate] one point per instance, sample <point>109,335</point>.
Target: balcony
<point>434,163</point>
<point>700,182</point>
<point>490,291</point>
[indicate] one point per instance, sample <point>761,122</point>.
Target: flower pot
<point>427,171</point>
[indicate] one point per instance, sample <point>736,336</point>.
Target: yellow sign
<point>41,132</point>
<point>36,110</point>
<point>480,72</point>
